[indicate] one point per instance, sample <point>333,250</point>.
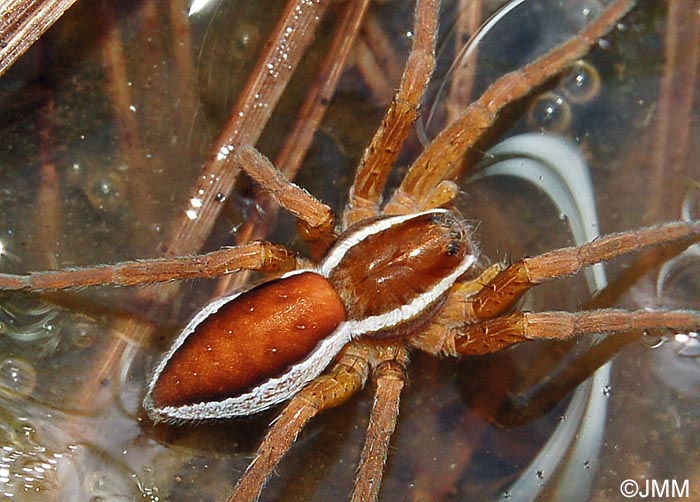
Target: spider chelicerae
<point>468,317</point>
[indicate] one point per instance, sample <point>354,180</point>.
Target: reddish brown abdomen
<point>254,337</point>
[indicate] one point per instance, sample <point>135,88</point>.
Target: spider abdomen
<point>215,367</point>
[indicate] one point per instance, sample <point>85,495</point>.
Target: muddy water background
<point>105,124</point>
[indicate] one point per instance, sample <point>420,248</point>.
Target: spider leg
<point>495,334</point>
<point>507,287</point>
<point>317,221</point>
<point>381,154</point>
<point>346,377</point>
<point>441,158</point>
<point>496,290</point>
<point>263,256</point>
<point>389,373</point>
<point>438,337</point>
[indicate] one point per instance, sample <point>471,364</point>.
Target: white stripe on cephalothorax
<point>338,251</point>
<point>403,313</point>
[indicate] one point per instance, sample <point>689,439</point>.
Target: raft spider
<point>461,318</point>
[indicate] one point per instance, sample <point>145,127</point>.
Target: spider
<point>451,314</point>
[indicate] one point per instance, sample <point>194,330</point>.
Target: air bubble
<point>550,112</point>
<point>18,376</point>
<point>27,320</point>
<point>582,83</point>
<point>106,191</point>
<point>653,341</point>
<point>82,335</point>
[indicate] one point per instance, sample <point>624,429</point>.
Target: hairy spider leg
<point>259,255</point>
<point>464,325</point>
<point>380,156</point>
<point>504,290</point>
<point>440,161</point>
<point>390,375</point>
<point>317,221</point>
<point>346,377</point>
<point>495,334</point>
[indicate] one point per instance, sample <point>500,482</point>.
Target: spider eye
<point>453,248</point>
